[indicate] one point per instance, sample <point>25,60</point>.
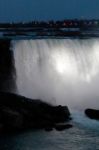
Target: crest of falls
<point>59,71</point>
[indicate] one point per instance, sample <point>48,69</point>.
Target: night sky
<point>27,10</point>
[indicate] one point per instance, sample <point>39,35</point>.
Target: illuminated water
<point>61,72</point>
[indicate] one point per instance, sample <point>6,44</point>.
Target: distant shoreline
<point>51,29</point>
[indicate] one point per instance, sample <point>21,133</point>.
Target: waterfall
<point>59,71</point>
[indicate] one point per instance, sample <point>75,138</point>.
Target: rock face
<point>20,113</point>
<point>92,113</point>
<point>7,70</point>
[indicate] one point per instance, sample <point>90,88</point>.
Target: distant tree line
<point>74,23</point>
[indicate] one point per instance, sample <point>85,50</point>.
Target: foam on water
<point>79,119</point>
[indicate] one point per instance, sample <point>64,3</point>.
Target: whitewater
<point>59,71</point>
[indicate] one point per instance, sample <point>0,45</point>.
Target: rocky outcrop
<point>92,113</point>
<point>61,127</point>
<point>7,69</point>
<point>21,113</point>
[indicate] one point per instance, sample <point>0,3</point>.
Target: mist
<point>58,71</point>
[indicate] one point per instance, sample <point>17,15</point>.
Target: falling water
<point>60,71</point>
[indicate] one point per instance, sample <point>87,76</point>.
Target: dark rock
<point>92,113</point>
<point>18,112</point>
<point>48,129</point>
<point>11,118</point>
<point>61,113</point>
<point>7,69</point>
<point>60,127</point>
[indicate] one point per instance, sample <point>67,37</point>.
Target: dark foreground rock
<point>92,113</point>
<point>60,127</point>
<point>20,113</point>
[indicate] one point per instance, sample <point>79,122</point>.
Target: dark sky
<point>27,10</point>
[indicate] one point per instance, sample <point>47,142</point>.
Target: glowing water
<point>59,71</point>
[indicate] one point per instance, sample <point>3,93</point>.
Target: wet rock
<point>18,112</point>
<point>7,69</point>
<point>48,129</point>
<point>60,127</point>
<point>92,113</point>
